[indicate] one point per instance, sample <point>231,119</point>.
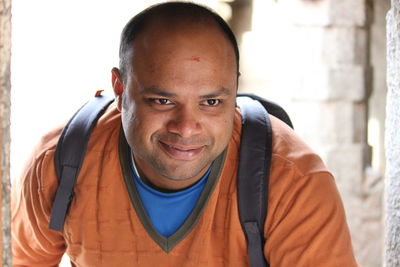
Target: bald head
<point>172,17</point>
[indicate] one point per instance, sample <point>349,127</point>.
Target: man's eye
<point>161,101</point>
<point>211,102</point>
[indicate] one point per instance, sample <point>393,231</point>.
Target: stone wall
<point>5,55</point>
<point>392,236</point>
<point>313,57</point>
<point>334,92</point>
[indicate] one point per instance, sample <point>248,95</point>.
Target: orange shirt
<point>305,225</point>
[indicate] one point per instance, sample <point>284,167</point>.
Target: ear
<point>118,87</point>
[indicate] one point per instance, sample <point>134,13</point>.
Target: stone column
<point>392,198</point>
<point>312,57</point>
<point>5,55</point>
<point>332,92</point>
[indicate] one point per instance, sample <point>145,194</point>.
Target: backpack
<point>253,171</point>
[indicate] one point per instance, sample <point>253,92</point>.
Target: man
<point>160,190</point>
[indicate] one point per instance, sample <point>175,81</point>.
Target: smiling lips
<point>182,152</point>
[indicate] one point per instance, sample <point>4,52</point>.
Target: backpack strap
<point>273,108</point>
<point>70,152</point>
<point>253,176</point>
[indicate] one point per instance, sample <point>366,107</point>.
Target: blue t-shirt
<point>168,211</point>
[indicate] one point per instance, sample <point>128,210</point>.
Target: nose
<point>185,122</point>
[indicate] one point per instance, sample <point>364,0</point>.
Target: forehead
<point>182,58</point>
<point>170,22</point>
<point>182,39</point>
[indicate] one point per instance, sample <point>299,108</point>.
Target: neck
<point>165,184</point>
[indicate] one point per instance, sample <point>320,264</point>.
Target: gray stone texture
<point>392,198</point>
<point>5,86</point>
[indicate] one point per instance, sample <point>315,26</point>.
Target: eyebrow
<point>221,92</point>
<point>157,91</point>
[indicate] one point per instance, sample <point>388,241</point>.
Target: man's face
<point>179,101</point>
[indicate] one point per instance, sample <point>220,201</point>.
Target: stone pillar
<point>392,198</point>
<point>313,58</point>
<point>5,85</point>
<point>332,92</point>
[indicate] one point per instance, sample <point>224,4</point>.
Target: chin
<point>186,173</point>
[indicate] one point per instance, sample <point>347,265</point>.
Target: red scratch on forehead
<point>193,58</point>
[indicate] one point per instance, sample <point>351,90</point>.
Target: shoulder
<point>304,207</point>
<point>41,160</point>
<point>297,174</point>
<point>299,180</point>
<point>287,147</point>
<point>107,128</point>
<point>290,149</point>
<point>108,122</point>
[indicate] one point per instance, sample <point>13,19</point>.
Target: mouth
<point>182,152</point>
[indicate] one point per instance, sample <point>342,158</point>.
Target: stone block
<point>329,12</point>
<point>331,122</point>
<point>331,64</point>
<point>345,46</point>
<point>324,83</point>
<point>348,82</point>
<point>348,12</point>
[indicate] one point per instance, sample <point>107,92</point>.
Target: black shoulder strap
<point>70,151</point>
<point>253,175</point>
<point>273,108</point>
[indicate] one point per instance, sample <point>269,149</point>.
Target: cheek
<point>222,129</point>
<point>145,124</point>
<point>130,122</point>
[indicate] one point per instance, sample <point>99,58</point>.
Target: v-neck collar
<point>167,243</point>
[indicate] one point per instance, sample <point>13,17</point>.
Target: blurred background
<point>322,60</point>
